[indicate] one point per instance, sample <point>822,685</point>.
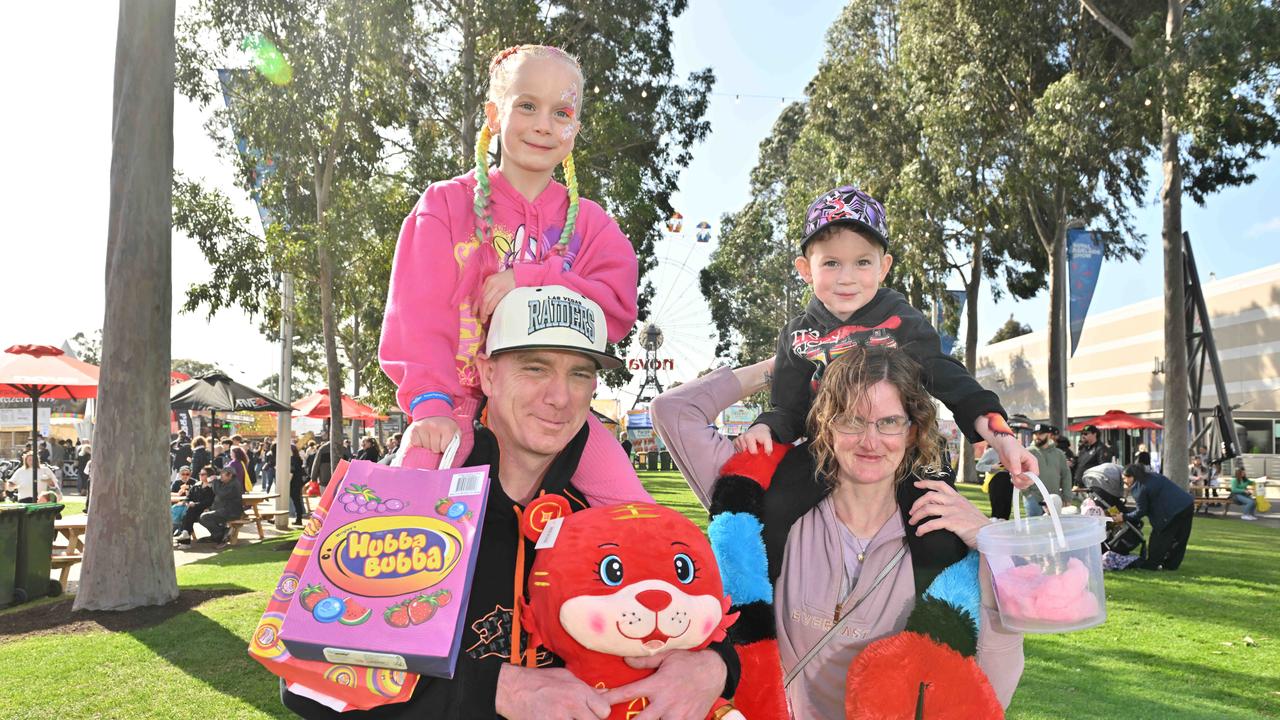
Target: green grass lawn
<point>1173,645</point>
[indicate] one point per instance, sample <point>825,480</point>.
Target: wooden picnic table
<point>73,531</point>
<point>252,502</point>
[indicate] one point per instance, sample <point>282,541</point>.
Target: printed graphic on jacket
<point>821,349</point>
<point>494,631</point>
<point>520,247</point>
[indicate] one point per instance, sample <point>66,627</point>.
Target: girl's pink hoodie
<point>430,335</point>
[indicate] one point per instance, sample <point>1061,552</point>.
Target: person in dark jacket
<point>369,450</point>
<point>1092,452</point>
<point>181,451</point>
<point>228,505</point>
<point>199,455</point>
<point>844,258</point>
<point>393,445</point>
<point>1170,509</point>
<point>321,469</point>
<point>199,499</point>
<point>526,459</point>
<point>297,478</point>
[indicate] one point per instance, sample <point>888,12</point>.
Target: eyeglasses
<point>892,425</point>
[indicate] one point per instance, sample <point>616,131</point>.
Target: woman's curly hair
<point>845,385</point>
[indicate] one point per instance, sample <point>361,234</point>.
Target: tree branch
<point>1106,21</point>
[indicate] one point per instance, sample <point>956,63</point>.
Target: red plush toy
<point>624,581</point>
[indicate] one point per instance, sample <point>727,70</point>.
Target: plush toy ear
<point>539,512</point>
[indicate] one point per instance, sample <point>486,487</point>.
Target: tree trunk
<point>334,374</point>
<point>1176,402</point>
<point>469,94</point>
<point>967,469</point>
<point>356,361</point>
<point>1057,252</point>
<point>128,561</point>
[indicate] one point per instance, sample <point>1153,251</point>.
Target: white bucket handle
<point>1053,513</point>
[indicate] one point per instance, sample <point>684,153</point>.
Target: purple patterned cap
<point>846,205</point>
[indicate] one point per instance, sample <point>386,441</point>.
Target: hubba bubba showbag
<point>340,686</point>
<point>387,581</point>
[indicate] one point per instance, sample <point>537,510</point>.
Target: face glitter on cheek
<point>567,131</point>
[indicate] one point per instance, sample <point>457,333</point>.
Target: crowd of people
<point>209,477</point>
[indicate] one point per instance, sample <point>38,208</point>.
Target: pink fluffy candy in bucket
<point>1026,592</point>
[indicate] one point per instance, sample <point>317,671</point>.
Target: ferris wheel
<point>677,340</point>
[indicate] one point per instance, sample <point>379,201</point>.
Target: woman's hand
<point>432,433</point>
<point>953,512</point>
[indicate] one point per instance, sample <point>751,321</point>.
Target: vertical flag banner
<point>263,166</point>
<point>1084,258</point>
<point>939,317</point>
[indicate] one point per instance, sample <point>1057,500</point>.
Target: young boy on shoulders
<point>844,257</point>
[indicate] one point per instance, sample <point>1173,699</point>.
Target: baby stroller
<point>1104,485</point>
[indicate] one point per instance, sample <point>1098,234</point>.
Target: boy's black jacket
<point>811,341</point>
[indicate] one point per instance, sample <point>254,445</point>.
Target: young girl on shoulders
<point>471,240</point>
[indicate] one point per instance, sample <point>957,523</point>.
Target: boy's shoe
<point>222,545</point>
<point>184,536</point>
<point>1248,517</point>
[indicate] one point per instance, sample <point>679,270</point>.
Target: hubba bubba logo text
<point>562,312</point>
<point>387,556</point>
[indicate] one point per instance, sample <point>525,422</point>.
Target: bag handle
<point>1053,513</point>
<point>446,459</point>
<point>835,629</point>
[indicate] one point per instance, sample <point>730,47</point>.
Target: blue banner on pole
<point>263,166</point>
<point>1084,258</point>
<point>939,317</point>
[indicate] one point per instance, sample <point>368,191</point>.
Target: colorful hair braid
<point>571,215</point>
<point>484,217</point>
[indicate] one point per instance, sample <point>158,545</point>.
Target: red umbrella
<point>1116,420</point>
<point>316,405</point>
<point>37,371</point>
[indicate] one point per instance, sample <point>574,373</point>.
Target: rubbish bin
<point>35,552</point>
<point>666,460</point>
<point>10,519</point>
<point>652,460</point>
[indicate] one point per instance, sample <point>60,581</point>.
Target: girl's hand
<point>432,433</point>
<point>496,287</point>
<point>755,439</point>
<point>953,512</point>
<point>1016,459</point>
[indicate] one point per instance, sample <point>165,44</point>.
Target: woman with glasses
<point>863,499</point>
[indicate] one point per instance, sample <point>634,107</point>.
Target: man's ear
<point>886,263</point>
<point>802,267</point>
<point>484,364</point>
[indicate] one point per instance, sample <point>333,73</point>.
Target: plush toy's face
<point>630,580</point>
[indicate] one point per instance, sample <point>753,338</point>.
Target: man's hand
<point>547,693</point>
<point>432,433</point>
<point>684,687</point>
<point>755,439</point>
<point>496,287</point>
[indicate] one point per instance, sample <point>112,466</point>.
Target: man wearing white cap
<point>544,348</point>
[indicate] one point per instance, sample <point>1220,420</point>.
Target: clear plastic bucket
<point>1046,570</point>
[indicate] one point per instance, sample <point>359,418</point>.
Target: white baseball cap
<point>552,317</point>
